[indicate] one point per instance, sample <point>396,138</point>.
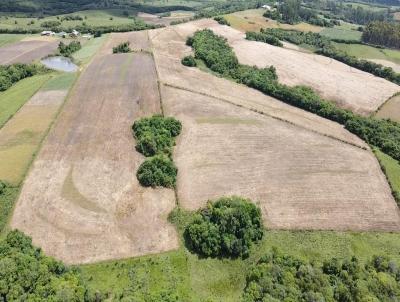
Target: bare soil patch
<point>348,87</point>
<point>301,179</point>
<point>26,51</point>
<point>156,20</point>
<point>81,201</point>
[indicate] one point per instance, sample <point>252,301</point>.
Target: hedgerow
<point>220,58</point>
<point>157,171</point>
<point>11,74</point>
<point>278,277</point>
<point>325,48</point>
<point>67,50</point>
<point>225,228</point>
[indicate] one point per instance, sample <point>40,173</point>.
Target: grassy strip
<point>7,200</point>
<point>12,99</point>
<point>219,57</point>
<point>391,168</point>
<point>89,49</point>
<point>6,39</point>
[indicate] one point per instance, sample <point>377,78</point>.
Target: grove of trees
<point>11,74</point>
<point>67,50</point>
<point>122,48</point>
<point>382,33</point>
<point>277,277</point>
<point>225,228</point>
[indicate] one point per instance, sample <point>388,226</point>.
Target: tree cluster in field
<point>292,12</point>
<point>122,48</point>
<point>221,20</point>
<point>357,15</point>
<point>220,58</point>
<point>26,274</point>
<point>67,50</point>
<point>155,137</point>
<point>225,228</point>
<point>325,48</point>
<point>11,74</point>
<point>382,33</point>
<point>277,277</point>
<point>71,18</point>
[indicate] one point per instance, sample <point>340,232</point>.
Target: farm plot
<point>26,51</point>
<point>301,179</point>
<point>348,87</point>
<point>169,47</point>
<point>391,109</point>
<point>81,201</point>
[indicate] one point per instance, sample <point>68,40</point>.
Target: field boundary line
<point>384,103</point>
<point>157,73</point>
<point>265,114</point>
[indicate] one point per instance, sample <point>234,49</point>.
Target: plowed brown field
<point>26,51</point>
<point>81,201</point>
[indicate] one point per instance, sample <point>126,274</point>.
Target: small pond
<point>60,63</point>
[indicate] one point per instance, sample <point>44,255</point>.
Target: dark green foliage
<point>225,228</point>
<point>255,36</point>
<point>28,275</point>
<point>10,74</point>
<point>221,20</point>
<point>326,48</point>
<point>157,171</point>
<point>278,277</point>
<point>382,33</point>
<point>218,56</point>
<point>189,61</point>
<point>122,48</point>
<point>67,50</point>
<point>156,134</point>
<point>50,24</point>
<point>71,18</point>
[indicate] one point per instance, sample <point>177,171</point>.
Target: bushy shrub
<point>278,277</point>
<point>221,20</point>
<point>156,134</point>
<point>189,61</point>
<point>28,275</point>
<point>253,36</point>
<point>122,48</point>
<point>157,171</point>
<point>67,50</point>
<point>50,24</point>
<point>2,186</point>
<point>225,228</point>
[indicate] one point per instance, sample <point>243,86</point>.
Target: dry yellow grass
<point>391,109</point>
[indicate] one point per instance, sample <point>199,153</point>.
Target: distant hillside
<point>51,7</point>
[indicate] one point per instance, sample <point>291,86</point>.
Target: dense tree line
<point>155,137</point>
<point>225,228</point>
<point>382,33</point>
<point>26,274</point>
<point>220,58</point>
<point>67,50</point>
<point>292,12</point>
<point>11,74</point>
<point>324,47</point>
<point>122,48</point>
<point>277,277</point>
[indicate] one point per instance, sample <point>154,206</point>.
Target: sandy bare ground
<point>155,19</point>
<point>348,87</point>
<point>81,201</point>
<point>20,137</point>
<point>301,179</point>
<point>306,172</point>
<point>26,51</point>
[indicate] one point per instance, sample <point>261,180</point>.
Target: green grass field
<point>341,33</point>
<point>369,52</point>
<point>7,200</point>
<point>223,280</point>
<point>16,96</point>
<point>60,82</point>
<point>367,6</point>
<point>392,169</point>
<point>88,50</point>
<point>10,38</point>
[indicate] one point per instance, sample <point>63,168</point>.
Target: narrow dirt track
<point>26,51</point>
<point>92,207</point>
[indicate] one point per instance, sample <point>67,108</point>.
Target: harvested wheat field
<point>306,172</point>
<point>301,179</point>
<point>26,51</point>
<point>348,87</point>
<point>391,109</point>
<point>92,207</point>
